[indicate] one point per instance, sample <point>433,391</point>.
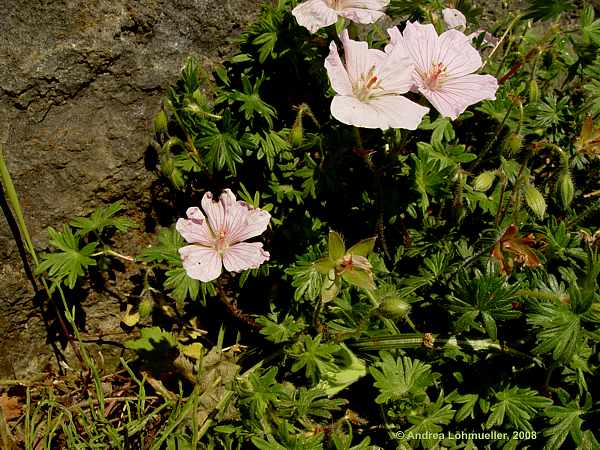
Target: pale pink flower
<point>217,239</point>
<point>368,86</point>
<point>315,14</point>
<point>444,67</point>
<point>453,18</point>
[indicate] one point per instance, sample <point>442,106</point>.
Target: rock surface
<point>80,82</point>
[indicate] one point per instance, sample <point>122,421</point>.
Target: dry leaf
<point>11,408</point>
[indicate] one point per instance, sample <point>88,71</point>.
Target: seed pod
<point>484,180</point>
<point>535,200</point>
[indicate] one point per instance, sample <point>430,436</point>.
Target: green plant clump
<point>426,288</point>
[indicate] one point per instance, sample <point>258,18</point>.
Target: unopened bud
<point>534,91</point>
<point>161,122</point>
<point>566,188</point>
<point>514,143</point>
<point>535,200</point>
<point>394,307</point>
<point>484,181</point>
<point>146,307</point>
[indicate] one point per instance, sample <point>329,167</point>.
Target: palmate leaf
<point>306,279</point>
<point>309,404</point>
<point>313,356</point>
<point>251,103</point>
<point>518,405</point>
<point>269,145</point>
<point>169,242</point>
<point>71,261</point>
<point>431,422</point>
<point>401,378</point>
<point>222,144</point>
<point>481,301</point>
<point>103,218</point>
<point>181,285</point>
<point>280,332</point>
<point>261,391</point>
<point>560,330</point>
<point>565,420</point>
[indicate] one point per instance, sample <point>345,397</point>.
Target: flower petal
<point>314,14</point>
<point>395,71</point>
<point>358,57</point>
<point>453,18</point>
<point>421,42</point>
<point>456,95</point>
<point>363,11</point>
<point>245,255</point>
<point>201,263</point>
<point>195,228</point>
<point>457,54</point>
<point>388,111</point>
<point>245,222</point>
<point>217,211</point>
<point>337,72</point>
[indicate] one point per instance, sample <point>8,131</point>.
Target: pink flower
<point>315,14</point>
<point>444,67</point>
<point>369,84</point>
<point>453,18</point>
<point>217,239</point>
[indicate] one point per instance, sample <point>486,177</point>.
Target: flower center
<point>434,78</point>
<point>364,88</point>
<point>335,4</point>
<point>221,243</point>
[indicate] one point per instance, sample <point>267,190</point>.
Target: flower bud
<point>566,188</point>
<point>484,181</point>
<point>146,307</point>
<point>535,200</point>
<point>394,307</point>
<point>534,91</point>
<point>160,122</point>
<point>514,143</point>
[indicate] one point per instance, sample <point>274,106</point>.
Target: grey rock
<point>80,82</point>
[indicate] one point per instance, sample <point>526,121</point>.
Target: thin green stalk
<point>494,139</point>
<point>13,199</point>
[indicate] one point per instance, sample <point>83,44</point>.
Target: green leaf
<point>251,103</point>
<point>401,378</point>
<point>103,218</point>
<point>560,330</point>
<point>431,423</point>
<point>167,249</point>
<point>346,370</point>
<point>280,332</point>
<point>519,405</point>
<point>306,279</point>
<point>71,261</point>
<point>565,420</point>
<point>313,356</point>
<point>181,285</point>
<point>152,339</point>
<point>222,143</point>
